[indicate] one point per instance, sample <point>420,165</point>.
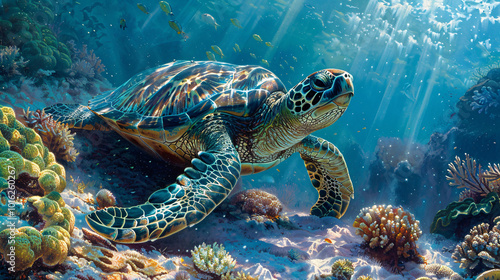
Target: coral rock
<point>442,271</point>
<point>257,202</point>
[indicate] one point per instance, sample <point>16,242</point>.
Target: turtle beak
<point>342,90</point>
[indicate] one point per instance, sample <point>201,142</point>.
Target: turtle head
<point>321,98</point>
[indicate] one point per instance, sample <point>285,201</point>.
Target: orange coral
<point>390,233</point>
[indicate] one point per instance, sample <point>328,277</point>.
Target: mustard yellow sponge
<point>31,168</point>
<point>53,211</point>
<point>27,246</point>
<point>49,181</point>
<point>55,245</point>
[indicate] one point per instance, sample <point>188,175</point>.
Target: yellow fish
<point>257,38</point>
<point>301,48</point>
<point>236,22</point>
<point>143,8</point>
<point>293,69</point>
<point>217,50</point>
<point>209,19</point>
<point>234,49</point>
<point>166,8</point>
<point>281,65</point>
<point>237,47</point>
<point>211,56</point>
<point>175,26</point>
<point>265,62</point>
<point>253,55</point>
<point>294,58</point>
<point>123,24</point>
<point>269,44</point>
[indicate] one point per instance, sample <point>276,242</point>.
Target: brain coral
<point>51,209</point>
<point>258,202</point>
<point>22,151</point>
<point>480,249</point>
<point>389,233</point>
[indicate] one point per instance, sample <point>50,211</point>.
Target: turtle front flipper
<point>76,116</point>
<point>329,175</point>
<point>188,201</point>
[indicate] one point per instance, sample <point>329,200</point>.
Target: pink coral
<point>9,61</point>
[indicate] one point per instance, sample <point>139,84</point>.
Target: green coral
<point>52,209</point>
<point>33,158</point>
<point>51,244</point>
<point>213,259</point>
<point>27,243</point>
<point>459,217</point>
<point>342,269</point>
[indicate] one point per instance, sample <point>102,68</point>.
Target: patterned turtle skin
<point>220,121</point>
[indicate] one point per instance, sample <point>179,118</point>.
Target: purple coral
<point>9,61</point>
<point>485,99</point>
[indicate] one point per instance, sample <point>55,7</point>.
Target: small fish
<point>309,6</point>
<point>234,49</point>
<point>165,6</point>
<point>209,19</point>
<point>211,56</point>
<point>278,170</point>
<point>281,65</point>
<point>217,50</point>
<point>236,22</point>
<point>237,47</point>
<point>328,240</point>
<point>175,26</point>
<point>301,48</point>
<point>364,127</point>
<point>452,115</point>
<point>143,8</point>
<point>265,62</point>
<point>293,69</point>
<point>123,24</point>
<point>294,58</point>
<point>257,38</point>
<point>269,44</point>
<point>253,55</point>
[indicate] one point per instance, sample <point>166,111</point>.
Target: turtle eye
<point>319,82</point>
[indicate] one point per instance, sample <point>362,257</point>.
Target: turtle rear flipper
<point>76,116</point>
<point>188,201</point>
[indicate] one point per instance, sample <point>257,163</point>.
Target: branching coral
<point>257,202</point>
<point>86,63</point>
<point>112,261</point>
<point>213,259</point>
<point>485,99</point>
<point>389,233</point>
<point>442,271</point>
<point>468,174</point>
<point>55,135</point>
<point>480,249</point>
<point>22,152</point>
<point>10,61</point>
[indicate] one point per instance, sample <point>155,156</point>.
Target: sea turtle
<point>220,121</point>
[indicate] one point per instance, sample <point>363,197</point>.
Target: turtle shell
<point>162,102</point>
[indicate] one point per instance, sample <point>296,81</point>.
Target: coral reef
<point>468,174</point>
<point>364,277</point>
<point>51,244</point>
<point>10,61</point>
<point>442,271</point>
<point>460,216</point>
<point>49,211</point>
<point>484,99</point>
<point>55,135</point>
<point>480,249</point>
<point>257,202</point>
<point>389,234</point>
<point>22,151</point>
<point>213,259</point>
<point>105,198</point>
<point>112,261</point>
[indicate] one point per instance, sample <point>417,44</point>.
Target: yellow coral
<point>51,208</point>
<point>27,247</point>
<point>31,168</point>
<point>55,245</point>
<point>30,151</point>
<point>49,181</point>
<point>16,159</point>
